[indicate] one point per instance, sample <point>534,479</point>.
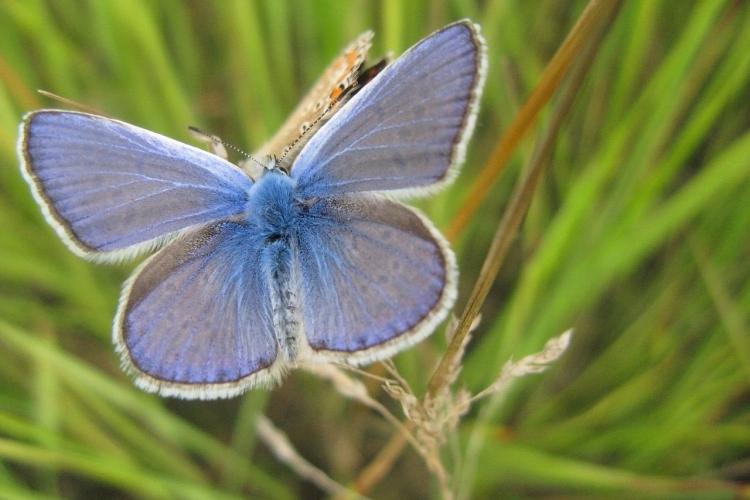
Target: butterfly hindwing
<point>327,93</point>
<point>196,319</point>
<point>407,127</point>
<point>375,276</point>
<point>110,188</point>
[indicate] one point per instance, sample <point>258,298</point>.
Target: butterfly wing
<point>375,275</point>
<point>111,189</point>
<point>332,85</point>
<point>407,127</point>
<point>195,320</point>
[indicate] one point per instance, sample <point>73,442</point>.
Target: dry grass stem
<point>430,422</point>
<point>283,449</point>
<point>513,216</point>
<point>533,363</point>
<point>71,103</point>
<point>353,389</point>
<point>597,14</point>
<point>591,25</point>
<point>454,370</point>
<point>581,44</point>
<point>379,466</point>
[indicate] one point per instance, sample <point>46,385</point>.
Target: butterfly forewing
<point>110,188</point>
<point>407,127</point>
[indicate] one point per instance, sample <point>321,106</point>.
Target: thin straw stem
<point>595,15</point>
<point>383,461</point>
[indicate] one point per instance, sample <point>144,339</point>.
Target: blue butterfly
<point>257,275</point>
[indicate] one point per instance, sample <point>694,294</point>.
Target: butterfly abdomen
<point>277,261</point>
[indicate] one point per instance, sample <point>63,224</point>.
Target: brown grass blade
<point>596,14</point>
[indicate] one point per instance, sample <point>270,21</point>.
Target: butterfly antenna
<point>212,139</point>
<point>313,125</point>
<point>70,102</point>
<point>344,94</point>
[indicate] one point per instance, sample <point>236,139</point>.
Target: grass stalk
<point>593,17</point>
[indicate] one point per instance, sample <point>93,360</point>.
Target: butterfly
<point>317,262</point>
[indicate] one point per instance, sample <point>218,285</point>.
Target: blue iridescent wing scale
<point>406,130</point>
<point>111,189</point>
<point>375,276</point>
<point>196,320</point>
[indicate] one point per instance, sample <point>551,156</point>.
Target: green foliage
<point>638,238</point>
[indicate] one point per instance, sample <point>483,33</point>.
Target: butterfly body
<point>256,274</point>
<point>276,217</point>
<point>271,206</point>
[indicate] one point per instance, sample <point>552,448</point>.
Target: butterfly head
<point>270,205</point>
<point>272,164</point>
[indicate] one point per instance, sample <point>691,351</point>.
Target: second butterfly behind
<point>258,273</point>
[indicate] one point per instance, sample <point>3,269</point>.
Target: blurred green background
<point>638,237</point>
